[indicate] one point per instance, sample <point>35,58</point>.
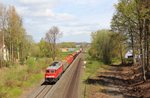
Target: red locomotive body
<point>53,72</point>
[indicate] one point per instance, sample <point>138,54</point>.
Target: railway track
<point>41,92</point>
<point>62,87</point>
<point>44,91</point>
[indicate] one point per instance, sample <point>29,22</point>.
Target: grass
<point>15,79</point>
<point>92,68</point>
<point>116,61</point>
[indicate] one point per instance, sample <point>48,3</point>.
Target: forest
<point>130,31</point>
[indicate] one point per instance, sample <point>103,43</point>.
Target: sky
<point>76,19</point>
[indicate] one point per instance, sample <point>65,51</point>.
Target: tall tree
<point>51,37</point>
<point>3,26</point>
<point>16,33</point>
<point>13,33</point>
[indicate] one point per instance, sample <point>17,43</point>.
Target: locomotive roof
<point>54,65</point>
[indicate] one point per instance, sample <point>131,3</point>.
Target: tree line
<point>130,30</point>
<point>13,35</point>
<point>17,45</point>
<point>132,20</point>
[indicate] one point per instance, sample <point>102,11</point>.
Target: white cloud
<point>72,33</point>
<point>40,2</point>
<point>85,2</point>
<point>22,10</point>
<point>43,13</point>
<point>43,9</point>
<point>65,16</point>
<point>40,15</point>
<point>32,1</point>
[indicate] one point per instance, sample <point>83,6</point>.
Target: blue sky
<point>75,18</point>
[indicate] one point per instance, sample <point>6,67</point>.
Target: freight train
<point>56,69</point>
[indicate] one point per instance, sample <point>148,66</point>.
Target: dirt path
<point>101,87</point>
<point>118,82</point>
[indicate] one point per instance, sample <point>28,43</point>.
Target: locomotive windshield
<point>54,64</point>
<point>52,71</point>
<point>47,71</point>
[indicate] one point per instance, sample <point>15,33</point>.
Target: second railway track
<point>41,91</point>
<point>44,91</point>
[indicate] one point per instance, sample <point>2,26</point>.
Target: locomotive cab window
<point>54,64</point>
<point>52,71</point>
<point>47,71</point>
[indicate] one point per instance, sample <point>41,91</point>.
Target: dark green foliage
<point>102,46</point>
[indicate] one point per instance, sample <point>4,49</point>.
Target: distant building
<point>71,49</point>
<point>129,54</point>
<point>4,54</point>
<point>67,49</point>
<point>64,49</point>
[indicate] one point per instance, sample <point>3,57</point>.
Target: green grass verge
<point>92,68</point>
<point>15,79</point>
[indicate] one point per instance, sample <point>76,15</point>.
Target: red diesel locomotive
<point>55,70</point>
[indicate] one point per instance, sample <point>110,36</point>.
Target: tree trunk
<point>142,48</point>
<point>12,53</point>
<point>18,56</point>
<point>140,29</point>
<point>132,45</point>
<point>121,55</point>
<point>144,71</point>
